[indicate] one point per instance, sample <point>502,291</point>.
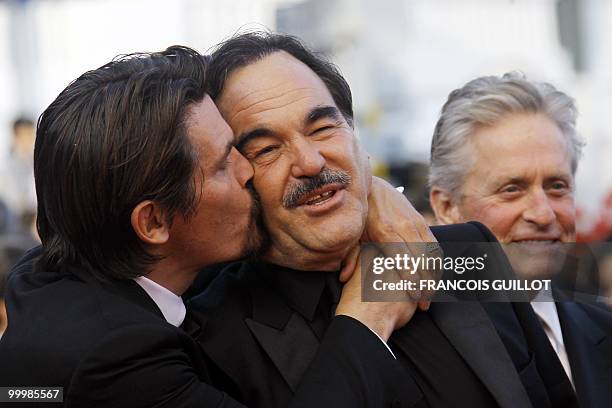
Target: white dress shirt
<point>545,308</point>
<point>171,305</point>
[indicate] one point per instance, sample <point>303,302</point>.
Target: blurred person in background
<point>4,267</point>
<point>17,188</point>
<point>504,152</point>
<point>14,239</point>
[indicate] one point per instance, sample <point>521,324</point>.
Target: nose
<point>539,210</point>
<point>308,161</point>
<point>243,168</point>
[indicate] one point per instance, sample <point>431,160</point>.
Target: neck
<point>169,274</point>
<point>307,260</point>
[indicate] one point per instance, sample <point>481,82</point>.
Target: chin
<point>337,241</point>
<point>542,266</point>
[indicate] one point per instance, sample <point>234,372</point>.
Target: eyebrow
<point>247,137</point>
<point>320,112</point>
<point>512,180</point>
<point>228,149</point>
<point>560,175</point>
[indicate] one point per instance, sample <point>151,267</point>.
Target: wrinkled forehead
<point>277,81</point>
<point>528,152</point>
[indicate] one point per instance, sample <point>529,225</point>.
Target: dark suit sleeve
<point>353,368</point>
<point>142,366</point>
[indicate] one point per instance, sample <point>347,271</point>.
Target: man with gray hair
<point>504,152</point>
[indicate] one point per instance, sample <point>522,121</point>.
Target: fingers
<point>413,227</point>
<point>417,236</point>
<point>397,229</point>
<point>407,229</point>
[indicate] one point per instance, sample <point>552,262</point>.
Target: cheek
<point>346,153</point>
<point>499,218</point>
<point>270,186</point>
<point>223,198</point>
<point>565,212</point>
<point>343,148</point>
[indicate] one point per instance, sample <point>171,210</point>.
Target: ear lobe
<point>444,207</point>
<point>149,223</point>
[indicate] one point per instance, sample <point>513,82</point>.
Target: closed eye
<point>325,128</point>
<point>262,152</point>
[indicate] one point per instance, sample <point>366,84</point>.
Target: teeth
<point>320,197</point>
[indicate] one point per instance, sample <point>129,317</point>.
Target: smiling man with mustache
<point>139,187</point>
<point>291,113</point>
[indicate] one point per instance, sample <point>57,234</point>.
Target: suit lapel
<point>589,351</point>
<point>468,328</point>
<point>284,335</point>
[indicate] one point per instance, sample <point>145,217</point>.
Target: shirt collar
<point>171,305</point>
<point>302,290</point>
<point>544,306</point>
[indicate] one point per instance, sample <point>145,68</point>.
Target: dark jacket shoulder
<point>69,329</point>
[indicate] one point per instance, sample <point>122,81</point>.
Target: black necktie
<point>327,304</point>
<point>334,290</point>
<point>560,390</point>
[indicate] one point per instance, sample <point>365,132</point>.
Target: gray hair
<point>485,101</point>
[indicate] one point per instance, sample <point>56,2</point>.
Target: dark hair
<point>114,137</point>
<point>247,48</point>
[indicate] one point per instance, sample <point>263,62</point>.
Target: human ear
<point>445,207</point>
<point>149,223</point>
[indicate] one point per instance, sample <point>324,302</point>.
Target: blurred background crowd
<point>401,58</point>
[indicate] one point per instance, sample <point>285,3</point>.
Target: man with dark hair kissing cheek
<point>139,187</point>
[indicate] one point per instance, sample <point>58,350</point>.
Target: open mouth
<point>320,198</point>
<point>323,200</point>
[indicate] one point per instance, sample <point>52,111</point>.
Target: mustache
<point>307,185</point>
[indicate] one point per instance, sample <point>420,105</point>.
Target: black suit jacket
<point>259,348</point>
<point>514,323</point>
<point>108,345</point>
<point>587,335</point>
